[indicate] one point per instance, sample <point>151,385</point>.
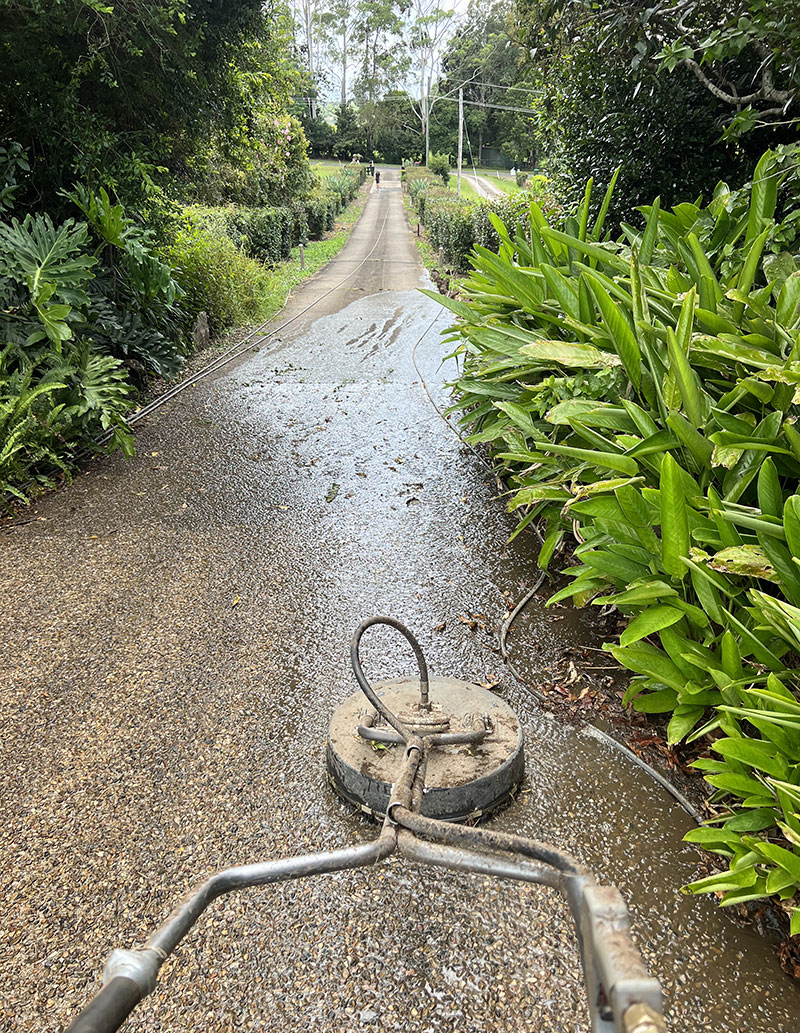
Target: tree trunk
<point>344,67</point>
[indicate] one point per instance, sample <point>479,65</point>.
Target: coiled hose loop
<point>364,684</point>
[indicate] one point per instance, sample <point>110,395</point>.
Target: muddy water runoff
<point>184,619</point>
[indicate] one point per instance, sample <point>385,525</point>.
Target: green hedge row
<point>221,254</point>
<point>265,234</point>
<point>455,224</point>
<point>268,234</point>
<point>325,202</point>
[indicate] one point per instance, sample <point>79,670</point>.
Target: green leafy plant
<point>31,423</point>
<point>85,306</point>
<point>439,165</point>
<point>216,276</point>
<point>678,480</point>
<point>455,225</point>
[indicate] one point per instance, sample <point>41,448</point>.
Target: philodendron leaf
<point>53,316</point>
<point>37,252</point>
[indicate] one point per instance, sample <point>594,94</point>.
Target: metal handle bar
<point>109,1009</point>
<point>623,998</point>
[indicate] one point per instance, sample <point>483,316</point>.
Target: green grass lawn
<point>325,169</point>
<point>468,192</point>
<point>505,183</point>
<point>508,186</point>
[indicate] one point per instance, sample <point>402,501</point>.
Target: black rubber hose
<point>108,1010</point>
<point>365,686</point>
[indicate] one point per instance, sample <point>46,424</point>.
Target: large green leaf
<point>788,309</point>
<point>648,622</point>
<point>604,254</point>
<point>748,273</point>
<point>674,519</point>
<point>622,336</point>
<point>564,353</point>
<point>36,252</point>
<point>763,198</point>
<point>687,381</point>
<point>752,753</point>
<point>606,460</point>
<point>600,221</point>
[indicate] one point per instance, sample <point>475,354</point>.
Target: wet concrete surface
<point>174,636</point>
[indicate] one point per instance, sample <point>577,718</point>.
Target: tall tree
<point>339,24</point>
<point>429,25</point>
<point>606,104</point>
<point>309,34</point>
<point>485,57</point>
<point>383,58</point>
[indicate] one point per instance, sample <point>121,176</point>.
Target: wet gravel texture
<point>174,638</point>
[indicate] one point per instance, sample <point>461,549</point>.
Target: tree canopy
<point>122,93</point>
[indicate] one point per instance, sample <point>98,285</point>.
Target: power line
<point>472,103</point>
<point>498,107</point>
<point>497,86</point>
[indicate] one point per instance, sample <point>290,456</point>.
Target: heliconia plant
<point>642,393</point>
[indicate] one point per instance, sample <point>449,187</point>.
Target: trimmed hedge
<point>265,234</point>
<point>455,224</point>
<point>268,234</point>
<point>331,196</point>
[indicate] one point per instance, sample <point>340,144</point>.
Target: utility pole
<point>460,134</point>
<point>428,121</point>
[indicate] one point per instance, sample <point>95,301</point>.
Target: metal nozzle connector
<point>640,1018</point>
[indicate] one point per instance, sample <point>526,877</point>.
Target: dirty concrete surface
<point>174,636</point>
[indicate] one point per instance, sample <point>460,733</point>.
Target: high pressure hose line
<point>432,729</point>
<point>367,689</point>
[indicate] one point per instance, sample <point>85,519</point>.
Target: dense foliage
<point>643,393</point>
<point>605,100</point>
<point>150,170</point>
<point>140,95</point>
<point>742,52</point>
<point>77,333</point>
<point>221,254</point>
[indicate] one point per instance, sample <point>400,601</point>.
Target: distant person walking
<point>378,179</point>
